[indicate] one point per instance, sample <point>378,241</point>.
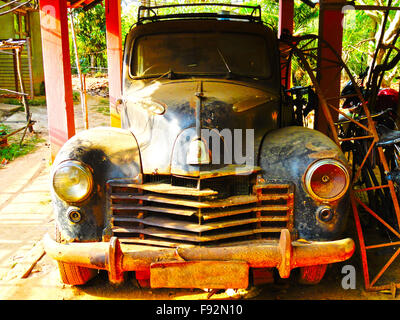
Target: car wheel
<point>312,274</point>
<point>72,274</point>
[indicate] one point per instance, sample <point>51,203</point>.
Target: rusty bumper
<point>226,262</point>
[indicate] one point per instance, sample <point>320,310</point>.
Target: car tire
<point>72,274</point>
<point>312,274</point>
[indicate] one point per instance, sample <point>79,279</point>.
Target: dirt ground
<point>27,273</point>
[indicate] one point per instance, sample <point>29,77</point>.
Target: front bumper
<point>227,265</point>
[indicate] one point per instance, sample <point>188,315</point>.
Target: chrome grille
<point>159,213</point>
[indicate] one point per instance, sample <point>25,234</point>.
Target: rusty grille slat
<point>156,243</point>
<point>193,227</point>
<point>274,197</point>
<point>231,201</point>
<point>226,213</point>
<point>169,234</point>
<point>141,215</point>
<point>183,212</point>
<point>169,189</point>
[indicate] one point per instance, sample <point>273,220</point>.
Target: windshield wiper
<point>229,75</point>
<point>170,74</point>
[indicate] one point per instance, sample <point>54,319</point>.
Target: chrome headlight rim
<point>81,166</point>
<point>317,164</point>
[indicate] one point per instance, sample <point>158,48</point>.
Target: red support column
<point>286,12</point>
<point>114,55</point>
<point>328,75</point>
<point>57,72</point>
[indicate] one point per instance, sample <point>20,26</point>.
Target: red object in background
<point>286,13</point>
<point>285,24</point>
<point>328,72</point>
<point>387,98</point>
<point>57,67</point>
<point>3,143</point>
<point>57,72</point>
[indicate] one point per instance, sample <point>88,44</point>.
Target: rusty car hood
<point>157,112</point>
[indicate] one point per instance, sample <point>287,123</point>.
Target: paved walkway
<point>25,208</point>
<point>26,212</point>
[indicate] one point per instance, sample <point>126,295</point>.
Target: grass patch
<point>13,150</point>
<point>103,107</point>
<point>104,110</point>
<point>76,96</point>
<point>104,101</point>
<point>37,101</point>
<point>100,75</point>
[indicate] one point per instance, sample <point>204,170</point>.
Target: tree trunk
<point>93,61</point>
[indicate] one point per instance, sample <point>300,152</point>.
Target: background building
<point>21,23</point>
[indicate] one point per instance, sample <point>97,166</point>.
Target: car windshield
<point>200,53</point>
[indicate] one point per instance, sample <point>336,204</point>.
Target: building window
<point>21,25</point>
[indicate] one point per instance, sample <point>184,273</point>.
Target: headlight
<point>72,181</point>
<point>327,180</point>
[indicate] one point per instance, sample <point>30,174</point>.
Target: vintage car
<point>207,184</point>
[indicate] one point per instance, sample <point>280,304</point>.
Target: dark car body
<point>184,210</point>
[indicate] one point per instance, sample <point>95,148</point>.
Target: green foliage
<point>76,96</point>
<point>105,110</point>
<point>14,150</point>
<point>305,19</point>
<point>128,18</point>
<point>90,30</point>
<point>357,41</point>
<point>4,129</point>
<point>360,38</point>
<point>104,101</point>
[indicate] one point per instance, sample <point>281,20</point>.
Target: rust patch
<point>98,260</point>
<point>310,146</point>
<point>324,154</point>
<point>320,154</point>
<point>199,274</point>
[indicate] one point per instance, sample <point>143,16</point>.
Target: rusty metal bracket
<point>115,273</point>
<point>285,249</point>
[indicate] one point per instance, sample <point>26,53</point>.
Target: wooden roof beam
<point>76,3</point>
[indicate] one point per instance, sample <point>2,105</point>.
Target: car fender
<point>285,155</point>
<point>110,153</point>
